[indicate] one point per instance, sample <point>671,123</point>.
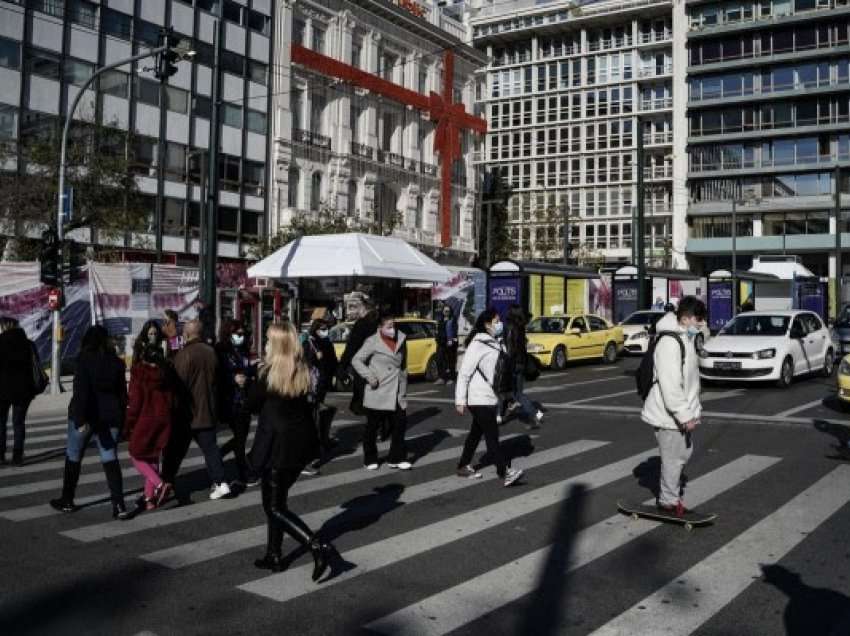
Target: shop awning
<point>353,254</point>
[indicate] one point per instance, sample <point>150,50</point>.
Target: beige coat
<point>375,362</point>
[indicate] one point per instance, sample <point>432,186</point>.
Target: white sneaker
<point>512,476</point>
<point>371,466</point>
<point>539,417</point>
<point>219,491</point>
<point>498,419</point>
<point>401,465</point>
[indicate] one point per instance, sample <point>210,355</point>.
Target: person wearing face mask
<point>382,362</point>
<point>321,357</point>
<point>672,406</point>
<point>150,409</point>
<point>446,345</point>
<point>236,373</point>
<point>475,392</point>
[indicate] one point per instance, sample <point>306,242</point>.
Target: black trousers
<point>19,417</point>
<point>484,423</point>
<point>178,445</point>
<point>396,423</point>
<point>448,362</point>
<point>240,424</point>
<point>280,519</point>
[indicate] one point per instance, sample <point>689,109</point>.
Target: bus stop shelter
<point>661,286</point>
<point>542,289</point>
<point>750,286</point>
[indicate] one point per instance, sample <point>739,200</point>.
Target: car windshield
<point>546,325</point>
<point>756,326</point>
<point>642,319</point>
<point>339,333</point>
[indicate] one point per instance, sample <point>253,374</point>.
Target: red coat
<point>149,411</point>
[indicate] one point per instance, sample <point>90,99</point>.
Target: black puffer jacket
<point>516,344</point>
<point>16,367</point>
<point>100,391</point>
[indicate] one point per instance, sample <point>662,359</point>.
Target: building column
<point>680,139</point>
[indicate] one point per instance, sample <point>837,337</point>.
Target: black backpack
<point>645,374</point>
<point>503,374</point>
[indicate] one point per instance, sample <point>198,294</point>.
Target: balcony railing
<point>791,88</point>
<point>742,164</point>
<point>658,172</point>
<point>655,71</point>
<point>312,138</point>
<point>361,150</point>
<point>697,24</point>
<point>665,137</point>
<point>656,104</point>
<point>429,169</point>
<point>649,38</point>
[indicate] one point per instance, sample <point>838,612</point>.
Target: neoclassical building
<point>362,149</point>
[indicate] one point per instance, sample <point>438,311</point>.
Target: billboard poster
<point>625,299</point>
<point>811,297</point>
<point>599,296</point>
<point>719,304</point>
<point>504,292</point>
<point>466,293</point>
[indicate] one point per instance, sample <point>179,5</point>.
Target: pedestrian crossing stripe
<point>472,599</point>
<point>162,518</point>
<point>292,583</point>
<point>214,547</point>
<point>727,572</point>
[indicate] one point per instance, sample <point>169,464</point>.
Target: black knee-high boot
<point>292,525</point>
<point>112,470</point>
<point>70,477</point>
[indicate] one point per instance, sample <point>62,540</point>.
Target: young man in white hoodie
<point>673,407</point>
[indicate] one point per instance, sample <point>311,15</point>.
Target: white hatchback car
<point>769,345</point>
<point>638,329</point>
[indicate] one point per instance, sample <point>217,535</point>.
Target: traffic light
<point>49,258</point>
<point>166,62</point>
<point>73,260</point>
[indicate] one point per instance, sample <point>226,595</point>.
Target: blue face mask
<point>693,330</point>
<point>498,328</point>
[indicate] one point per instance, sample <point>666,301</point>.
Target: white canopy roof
<point>785,268</point>
<point>353,254</point>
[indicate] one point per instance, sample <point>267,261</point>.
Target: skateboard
<point>690,520</point>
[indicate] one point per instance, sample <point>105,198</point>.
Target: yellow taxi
<point>554,340</point>
<point>421,344</point>
<point>844,379</point>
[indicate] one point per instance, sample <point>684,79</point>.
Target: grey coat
<point>375,362</point>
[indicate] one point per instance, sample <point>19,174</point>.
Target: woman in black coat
<point>17,385</point>
<point>97,410</point>
<point>288,432</point>
<point>321,358</point>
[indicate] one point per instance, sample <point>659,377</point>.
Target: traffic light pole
<point>638,233</point>
<point>57,318</point>
<point>210,255</point>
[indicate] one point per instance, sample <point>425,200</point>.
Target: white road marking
<point>799,409</point>
<point>293,583</point>
<point>206,549</point>
<point>604,397</point>
<point>171,516</point>
<point>716,580</point>
<point>710,396</point>
<point>458,606</point>
<point>569,385</point>
<point>429,392</point>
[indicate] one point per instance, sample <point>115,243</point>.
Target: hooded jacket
<point>674,398</point>
<point>474,380</point>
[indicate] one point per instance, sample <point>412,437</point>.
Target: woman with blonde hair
<point>281,396</point>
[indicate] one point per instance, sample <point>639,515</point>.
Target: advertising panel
<point>719,304</point>
<point>625,299</point>
<point>503,293</point>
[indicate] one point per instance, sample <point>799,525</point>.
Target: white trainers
<point>512,476</point>
<point>371,466</point>
<point>498,419</point>
<point>219,491</point>
<point>401,465</point>
<point>539,417</point>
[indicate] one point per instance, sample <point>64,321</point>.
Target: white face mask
<point>388,332</point>
<point>237,340</point>
<point>497,328</point>
<point>322,333</point>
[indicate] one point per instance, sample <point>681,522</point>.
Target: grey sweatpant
<point>674,455</point>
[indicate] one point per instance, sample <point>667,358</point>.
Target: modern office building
<point>769,130</point>
<point>372,154</point>
<point>48,48</point>
<point>569,87</point>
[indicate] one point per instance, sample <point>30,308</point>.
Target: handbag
<point>532,369</point>
<point>39,377</point>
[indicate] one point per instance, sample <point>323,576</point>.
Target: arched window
<point>294,187</point>
<point>315,191</point>
<point>352,198</point>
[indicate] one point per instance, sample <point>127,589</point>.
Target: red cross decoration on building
<point>451,117</point>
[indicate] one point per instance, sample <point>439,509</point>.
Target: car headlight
<point>639,335</point>
<point>844,368</point>
<point>764,354</point>
<point>534,347</point>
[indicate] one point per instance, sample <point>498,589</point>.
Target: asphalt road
<point>426,552</point>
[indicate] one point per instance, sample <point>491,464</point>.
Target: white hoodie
<point>674,398</point>
<point>476,372</point>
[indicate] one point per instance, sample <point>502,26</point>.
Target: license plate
<point>722,364</point>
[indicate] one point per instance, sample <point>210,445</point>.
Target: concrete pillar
<point>680,138</point>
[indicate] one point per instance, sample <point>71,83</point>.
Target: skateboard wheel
<point>635,516</point>
<point>689,526</point>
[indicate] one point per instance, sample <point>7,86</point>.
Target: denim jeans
<point>107,443</point>
<point>527,408</point>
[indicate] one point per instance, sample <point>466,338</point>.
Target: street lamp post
<point>734,256</point>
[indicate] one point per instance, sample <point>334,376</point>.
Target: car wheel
<point>786,373</point>
<point>559,359</point>
<point>610,353</point>
<point>432,369</point>
<point>828,364</point>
